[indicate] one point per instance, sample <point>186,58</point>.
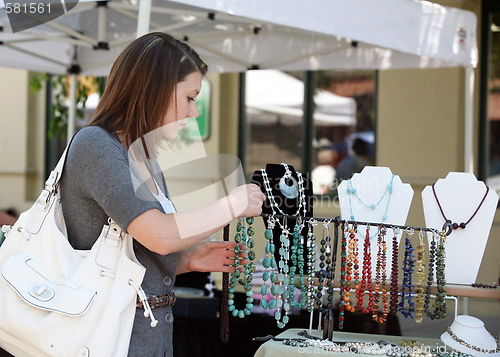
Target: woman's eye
<point>191,99</point>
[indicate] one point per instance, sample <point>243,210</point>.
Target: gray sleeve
<point>103,175</point>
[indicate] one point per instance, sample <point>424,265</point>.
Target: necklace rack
<point>455,225</point>
<point>437,255</point>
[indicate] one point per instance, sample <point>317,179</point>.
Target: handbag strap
<point>44,200</point>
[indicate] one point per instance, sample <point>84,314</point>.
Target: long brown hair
<point>142,83</point>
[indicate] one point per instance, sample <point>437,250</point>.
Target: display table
<point>278,349</point>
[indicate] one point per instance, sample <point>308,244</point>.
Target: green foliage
<point>59,111</point>
<point>37,80</point>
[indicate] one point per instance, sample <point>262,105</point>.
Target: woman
<point>152,85</point>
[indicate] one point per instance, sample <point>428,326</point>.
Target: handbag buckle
<point>41,292</point>
<point>114,232</point>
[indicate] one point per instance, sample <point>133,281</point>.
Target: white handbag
<point>58,301</point>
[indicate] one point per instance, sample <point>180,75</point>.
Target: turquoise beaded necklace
<point>351,191</point>
<point>243,237</point>
<point>269,264</point>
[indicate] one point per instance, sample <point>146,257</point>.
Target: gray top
<point>97,184</point>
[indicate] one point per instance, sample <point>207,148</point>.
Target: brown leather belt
<point>155,301</point>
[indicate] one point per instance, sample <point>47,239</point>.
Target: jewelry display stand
<point>468,335</point>
<point>289,206</point>
<point>460,194</point>
<point>371,186</point>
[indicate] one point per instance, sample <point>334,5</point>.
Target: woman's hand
<point>246,201</point>
<point>208,257</point>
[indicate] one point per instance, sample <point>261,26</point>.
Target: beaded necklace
<point>462,225</point>
<point>349,268</point>
<point>243,237</point>
<point>394,272</point>
<point>297,258</point>
<point>419,288</point>
<point>325,268</point>
<point>269,264</point>
<point>311,249</point>
<point>406,290</point>
<point>475,348</point>
<point>380,279</point>
<point>352,191</point>
<point>366,277</point>
<point>436,255</point>
<point>283,279</point>
<point>485,286</point>
<point>343,263</point>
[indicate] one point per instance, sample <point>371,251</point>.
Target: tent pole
<point>144,17</point>
<point>307,122</point>
<point>72,107</point>
<point>469,121</point>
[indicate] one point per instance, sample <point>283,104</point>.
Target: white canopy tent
<point>272,96</point>
<point>234,35</point>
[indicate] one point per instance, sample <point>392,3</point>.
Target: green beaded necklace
<point>297,258</point>
<point>243,237</point>
<point>436,256</point>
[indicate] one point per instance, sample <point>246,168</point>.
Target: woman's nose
<point>193,111</point>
